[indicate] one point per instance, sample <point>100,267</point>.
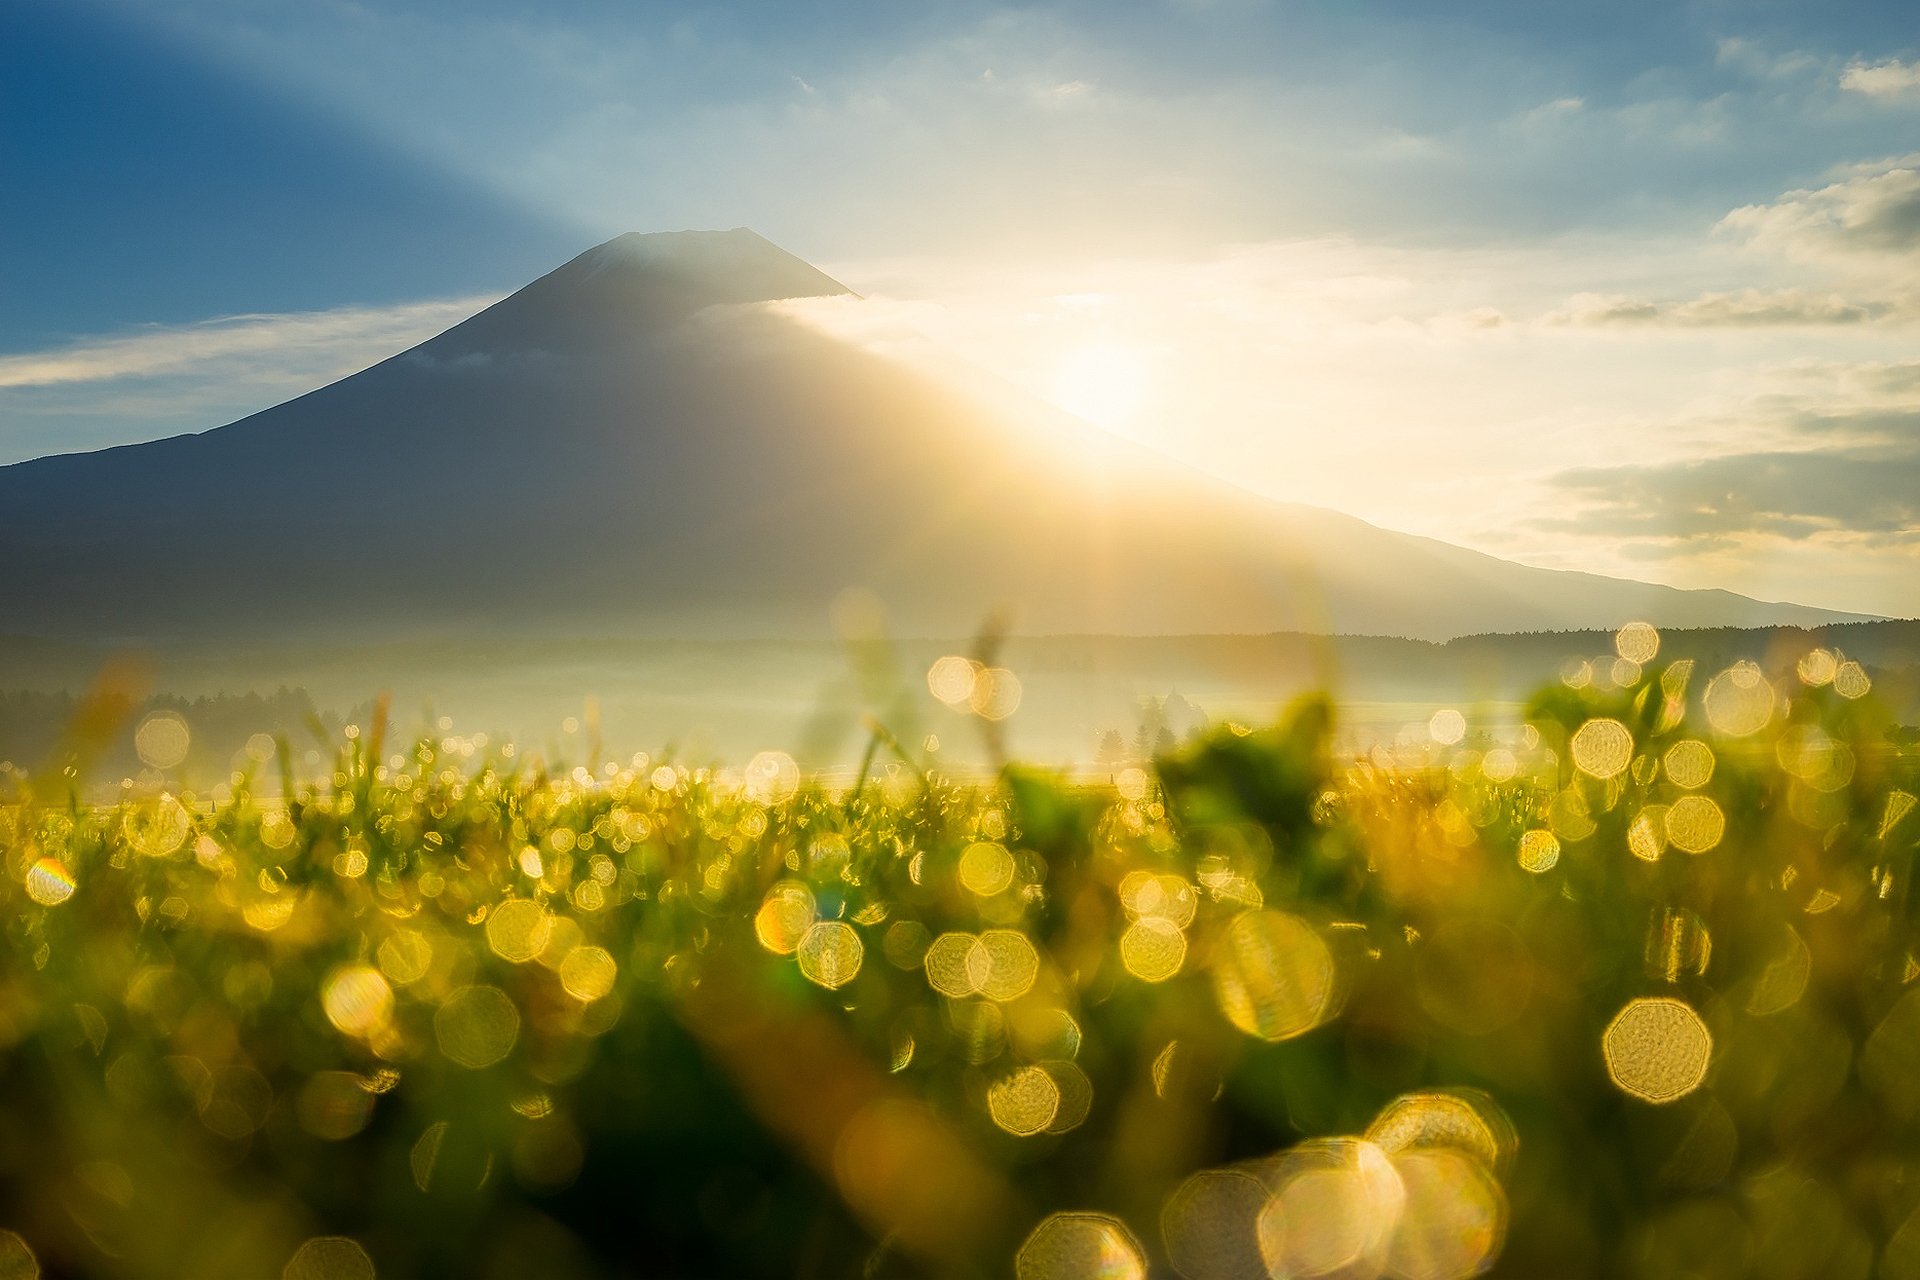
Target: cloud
<point>1796,495</point>
<point>119,388</point>
<point>1757,60</point>
<point>1873,212</point>
<point>344,335</point>
<point>1843,462</point>
<point>1890,79</point>
<point>1746,309</point>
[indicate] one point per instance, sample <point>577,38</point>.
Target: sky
<point>1631,287</point>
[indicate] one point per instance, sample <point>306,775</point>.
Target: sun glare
<point>1101,382</point>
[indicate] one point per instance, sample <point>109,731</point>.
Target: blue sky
<point>1614,258</point>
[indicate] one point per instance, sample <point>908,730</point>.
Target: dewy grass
<point>1631,993</point>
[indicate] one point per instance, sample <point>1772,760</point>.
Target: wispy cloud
<point>1839,458</point>
<point>162,380</point>
<point>345,336</point>
<point>1745,309</point>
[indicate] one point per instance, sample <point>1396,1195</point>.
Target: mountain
<point>656,439</point>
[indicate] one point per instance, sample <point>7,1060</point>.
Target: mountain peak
<point>634,285</point>
<point>734,266</point>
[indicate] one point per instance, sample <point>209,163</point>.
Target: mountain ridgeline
<point>649,442</point>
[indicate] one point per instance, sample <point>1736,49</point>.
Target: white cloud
<point>1890,79</point>
<point>1872,214</point>
<point>352,336</point>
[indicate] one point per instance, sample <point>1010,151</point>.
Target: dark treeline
<point>44,731</point>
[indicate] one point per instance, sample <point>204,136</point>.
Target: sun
<point>1103,382</point>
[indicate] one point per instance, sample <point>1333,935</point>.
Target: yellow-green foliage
<point>1630,994</point>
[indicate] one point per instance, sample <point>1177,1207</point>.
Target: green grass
<point>1259,1008</point>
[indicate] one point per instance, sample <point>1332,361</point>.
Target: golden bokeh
<point>1011,964</point>
<point>517,929</point>
<point>162,740</point>
<point>1657,1049</point>
<point>329,1258</point>
<point>588,973</point>
<point>1041,1030</point>
<point>17,1261</point>
<point>1208,1225</point>
<point>951,679</point>
<point>1570,817</point>
<point>1080,1246</point>
<point>425,1154</point>
<point>1500,765</point>
<point>1887,1059</point>
<point>357,1000</point>
<point>1647,833</point>
<point>1816,668</point>
<point>1335,1206</point>
<point>830,953</point>
<point>905,943</point>
<point>1076,1094</point>
<point>1153,948</point>
<point>1637,642</point>
<point>1160,895</point>
<point>158,827</point>
<point>956,966</point>
<point>334,1105</point>
<point>1850,680</point>
<point>405,956</point>
<point>1453,1218</point>
<point>1602,748</point>
<point>1539,850</point>
<point>1447,727</point>
<point>986,868</point>
<point>1465,1120</point>
<point>415,874</point>
<point>1025,1102</point>
<point>1679,945</point>
<point>49,883</point>
<point>1739,700</point>
<point>771,777</point>
<point>276,829</point>
<point>1783,980</point>
<point>979,1029</point>
<point>268,914</point>
<point>995,694</point>
<point>1689,764</point>
<point>1899,805</point>
<point>785,915</point>
<point>1273,975</point>
<point>1815,757</point>
<point>476,1026</point>
<point>1695,823</point>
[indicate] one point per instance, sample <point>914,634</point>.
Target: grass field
<point>1629,993</point>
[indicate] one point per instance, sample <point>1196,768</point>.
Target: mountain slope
<point>645,442</point>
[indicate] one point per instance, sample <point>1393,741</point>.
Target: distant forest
<point>1116,697</point>
<point>44,732</point>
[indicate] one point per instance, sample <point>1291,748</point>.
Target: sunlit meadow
<point>1629,991</point>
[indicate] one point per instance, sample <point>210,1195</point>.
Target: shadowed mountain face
<point>646,441</point>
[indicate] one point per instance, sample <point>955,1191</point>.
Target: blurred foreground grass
<point>1631,993</point>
